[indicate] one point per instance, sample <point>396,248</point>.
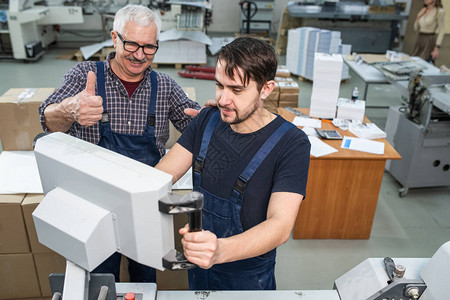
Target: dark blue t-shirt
<point>285,169</point>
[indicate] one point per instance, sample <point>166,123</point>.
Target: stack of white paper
<point>292,48</point>
<point>345,50</point>
<point>350,110</point>
<point>311,42</point>
<point>367,131</point>
<point>335,41</point>
<point>304,43</point>
<point>326,84</point>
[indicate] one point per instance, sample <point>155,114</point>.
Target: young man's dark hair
<point>255,57</point>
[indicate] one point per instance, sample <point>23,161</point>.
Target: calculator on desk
<point>328,134</point>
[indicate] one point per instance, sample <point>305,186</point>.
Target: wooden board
<point>287,22</point>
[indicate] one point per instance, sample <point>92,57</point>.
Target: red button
<point>129,296</point>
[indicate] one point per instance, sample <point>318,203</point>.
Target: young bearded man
<point>250,164</point>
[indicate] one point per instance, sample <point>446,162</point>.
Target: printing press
<point>98,202</point>
<point>420,132</point>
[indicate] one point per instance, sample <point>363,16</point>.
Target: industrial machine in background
<point>369,26</point>
<point>28,28</point>
<point>420,132</point>
<point>257,16</point>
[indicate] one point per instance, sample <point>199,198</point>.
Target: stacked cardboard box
<point>285,93</point>
<point>45,260</point>
<point>283,71</point>
<point>271,103</point>
<point>25,264</point>
<point>289,90</point>
<point>19,117</point>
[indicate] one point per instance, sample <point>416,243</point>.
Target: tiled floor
<point>413,226</point>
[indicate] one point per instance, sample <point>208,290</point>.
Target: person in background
<point>251,166</point>
<point>122,104</point>
<point>430,24</point>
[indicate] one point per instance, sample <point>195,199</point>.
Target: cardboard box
<point>273,97</point>
<point>283,71</point>
<point>19,117</point>
<point>284,79</point>
<point>18,278</point>
<point>288,87</point>
<point>29,204</point>
<point>46,264</point>
<point>288,100</point>
<point>13,235</point>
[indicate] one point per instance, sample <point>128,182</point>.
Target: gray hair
<point>141,15</point>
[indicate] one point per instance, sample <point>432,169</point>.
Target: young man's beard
<point>239,119</point>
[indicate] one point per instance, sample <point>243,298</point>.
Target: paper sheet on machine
<point>90,50</point>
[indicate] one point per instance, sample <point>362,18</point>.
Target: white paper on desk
<point>319,148</point>
<point>307,122</point>
<point>364,145</point>
<point>310,131</point>
<point>19,173</point>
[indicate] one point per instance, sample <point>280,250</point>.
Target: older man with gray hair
<point>122,104</point>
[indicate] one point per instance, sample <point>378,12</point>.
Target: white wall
<point>227,15</point>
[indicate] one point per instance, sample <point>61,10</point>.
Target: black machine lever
<point>389,266</point>
<point>190,204</point>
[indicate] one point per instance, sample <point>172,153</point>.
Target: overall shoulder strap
<point>200,158</point>
<point>267,147</point>
<point>152,103</point>
<point>101,82</point>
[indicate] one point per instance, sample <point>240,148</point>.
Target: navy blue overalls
<point>139,147</point>
<point>222,217</point>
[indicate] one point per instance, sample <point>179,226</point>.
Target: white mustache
<point>133,59</point>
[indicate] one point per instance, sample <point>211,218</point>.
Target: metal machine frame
<point>420,132</point>
<point>30,27</point>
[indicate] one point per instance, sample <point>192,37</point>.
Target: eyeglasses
<point>132,47</point>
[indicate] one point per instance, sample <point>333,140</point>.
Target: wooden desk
<point>342,190</point>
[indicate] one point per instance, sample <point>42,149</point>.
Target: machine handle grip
<point>195,221</point>
<point>190,204</point>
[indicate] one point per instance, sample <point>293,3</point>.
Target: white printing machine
<point>30,27</point>
<point>98,202</point>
